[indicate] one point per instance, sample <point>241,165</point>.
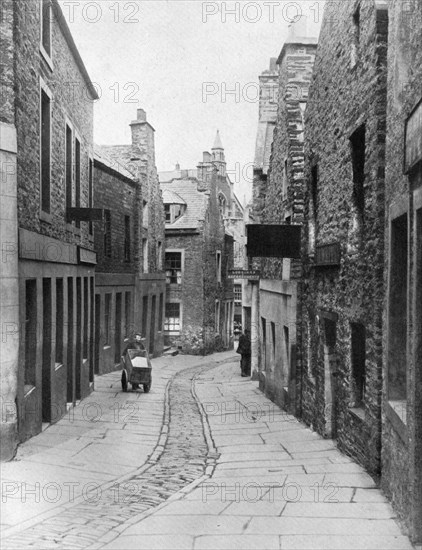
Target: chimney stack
<point>143,138</point>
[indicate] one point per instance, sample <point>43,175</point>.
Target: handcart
<point>136,370</point>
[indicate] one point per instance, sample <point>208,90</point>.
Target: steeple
<point>218,155</point>
<point>217,142</point>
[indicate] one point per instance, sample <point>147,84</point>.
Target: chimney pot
<point>177,166</point>
<point>141,115</point>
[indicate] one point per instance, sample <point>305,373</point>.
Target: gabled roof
<point>57,10</point>
<point>112,164</point>
<point>196,202</point>
<point>170,197</point>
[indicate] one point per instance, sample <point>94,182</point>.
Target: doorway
<point>330,377</point>
<point>97,334</point>
<point>46,351</point>
<point>152,327</point>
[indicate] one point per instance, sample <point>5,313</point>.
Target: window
<point>357,142</point>
<point>30,334</point>
<point>77,176</point>
<point>174,211</point>
<point>264,342</point>
<point>59,321</point>
<point>238,294</point>
<point>45,151</point>
<point>397,310</point>
<point>128,301</point>
<point>222,204</point>
<point>285,180</point>
<point>356,23</point>
<point>159,256</point>
<point>145,254</point>
<point>46,26</point>
<point>172,318</point>
<point>127,239</point>
<point>217,315</point>
<point>107,319</point>
<point>145,214</point>
<point>355,237</point>
<point>218,266</point>
<point>160,313</point>
<point>90,193</point>
<point>358,360</point>
<point>69,165</point>
<point>107,233</point>
<point>173,265</point>
<point>354,54</point>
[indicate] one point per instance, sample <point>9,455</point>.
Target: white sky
<point>159,55</point>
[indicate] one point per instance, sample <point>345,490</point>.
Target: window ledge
<point>47,58</point>
<point>46,217</point>
<point>28,389</point>
<point>396,414</point>
<point>358,412</point>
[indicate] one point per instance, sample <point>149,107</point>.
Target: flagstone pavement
<point>204,461</point>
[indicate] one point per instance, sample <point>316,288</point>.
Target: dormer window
<point>173,212</point>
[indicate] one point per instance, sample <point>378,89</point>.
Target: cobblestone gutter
<point>184,456</point>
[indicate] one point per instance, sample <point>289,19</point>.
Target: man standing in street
<point>244,348</point>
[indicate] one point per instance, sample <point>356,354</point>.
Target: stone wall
<point>402,441</point>
<point>348,90</point>
<point>191,292</point>
<point>278,199</point>
<point>122,197</point>
<point>70,98</point>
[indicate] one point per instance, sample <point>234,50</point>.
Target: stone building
<point>278,199</point>
<point>402,401</point>
<point>199,252</point>
<point>267,118</point>
<point>343,253</point>
<point>47,297</point>
<point>131,249</point>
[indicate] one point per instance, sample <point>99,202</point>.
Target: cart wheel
<point>147,387</point>
<point>124,381</point>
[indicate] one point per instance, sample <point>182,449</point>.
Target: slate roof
<point>196,202</point>
<point>113,164</point>
<point>170,197</point>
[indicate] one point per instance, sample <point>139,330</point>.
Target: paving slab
<point>339,510</point>
<point>235,542</point>
<point>190,525</point>
<point>344,542</point>
<point>327,526</point>
<point>151,542</point>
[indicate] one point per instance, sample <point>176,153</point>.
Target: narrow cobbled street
<point>204,461</point>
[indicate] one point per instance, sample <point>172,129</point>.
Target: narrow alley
<point>203,461</point>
